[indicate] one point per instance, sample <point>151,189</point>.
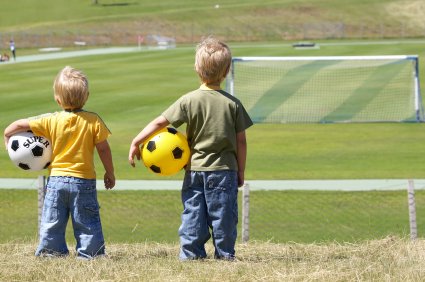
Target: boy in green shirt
<point>216,123</point>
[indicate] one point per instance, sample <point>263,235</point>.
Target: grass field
<point>331,232</point>
<point>141,85</point>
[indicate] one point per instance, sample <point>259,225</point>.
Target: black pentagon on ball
<point>151,146</point>
<point>15,145</point>
<point>24,166</point>
<point>177,153</point>
<point>172,130</point>
<point>155,169</point>
<point>37,151</point>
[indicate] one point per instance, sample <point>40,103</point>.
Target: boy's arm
<point>105,155</point>
<point>241,156</point>
<point>155,125</point>
<point>20,125</point>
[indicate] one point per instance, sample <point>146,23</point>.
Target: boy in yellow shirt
<point>71,186</point>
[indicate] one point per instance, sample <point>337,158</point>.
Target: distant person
<point>216,124</point>
<point>71,186</point>
<point>12,49</point>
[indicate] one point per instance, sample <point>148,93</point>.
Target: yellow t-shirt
<point>74,136</point>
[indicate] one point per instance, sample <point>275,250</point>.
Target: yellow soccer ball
<point>166,152</point>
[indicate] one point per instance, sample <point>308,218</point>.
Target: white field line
<point>78,53</point>
<point>254,185</point>
<point>117,50</point>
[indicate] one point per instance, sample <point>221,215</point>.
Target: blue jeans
<point>209,202</point>
<point>77,197</point>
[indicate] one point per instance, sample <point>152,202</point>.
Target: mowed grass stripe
<point>365,93</point>
<point>284,89</point>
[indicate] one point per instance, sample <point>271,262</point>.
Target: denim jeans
<point>210,202</point>
<point>77,197</point>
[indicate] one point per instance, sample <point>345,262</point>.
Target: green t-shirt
<point>213,118</point>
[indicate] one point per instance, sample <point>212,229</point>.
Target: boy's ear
<point>57,100</point>
<point>227,71</point>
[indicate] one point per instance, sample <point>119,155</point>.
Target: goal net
<point>328,89</point>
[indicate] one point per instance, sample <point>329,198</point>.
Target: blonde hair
<point>212,60</point>
<point>71,88</point>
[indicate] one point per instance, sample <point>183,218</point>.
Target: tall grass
<point>388,259</point>
<point>235,20</point>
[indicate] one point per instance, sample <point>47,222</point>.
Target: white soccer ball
<point>29,152</point>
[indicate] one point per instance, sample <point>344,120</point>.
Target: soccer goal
<point>333,89</point>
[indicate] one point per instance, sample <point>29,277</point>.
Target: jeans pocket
<point>88,206</point>
<point>90,214</point>
<point>222,180</point>
<point>50,206</point>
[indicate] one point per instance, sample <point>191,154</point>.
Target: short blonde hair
<point>212,60</point>
<point>71,88</point>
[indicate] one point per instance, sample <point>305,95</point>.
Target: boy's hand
<point>134,152</point>
<point>109,180</point>
<point>106,157</point>
<point>157,124</point>
<point>241,178</point>
<point>20,125</point>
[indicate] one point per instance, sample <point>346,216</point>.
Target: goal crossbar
<point>329,58</point>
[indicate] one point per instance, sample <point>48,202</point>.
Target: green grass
<point>325,216</point>
<point>335,151</point>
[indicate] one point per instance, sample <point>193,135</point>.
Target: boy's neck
<point>72,110</point>
<point>213,86</point>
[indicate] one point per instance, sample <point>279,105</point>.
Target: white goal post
<point>328,89</point>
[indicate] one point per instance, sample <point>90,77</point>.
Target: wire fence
<point>282,211</point>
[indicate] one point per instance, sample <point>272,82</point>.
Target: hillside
<point>114,22</point>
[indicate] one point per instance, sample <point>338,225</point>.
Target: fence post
<point>412,210</point>
<point>245,213</point>
<point>41,193</point>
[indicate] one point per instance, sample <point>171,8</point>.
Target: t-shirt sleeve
<point>243,120</point>
<point>40,125</point>
<point>176,114</point>
<point>102,132</point>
